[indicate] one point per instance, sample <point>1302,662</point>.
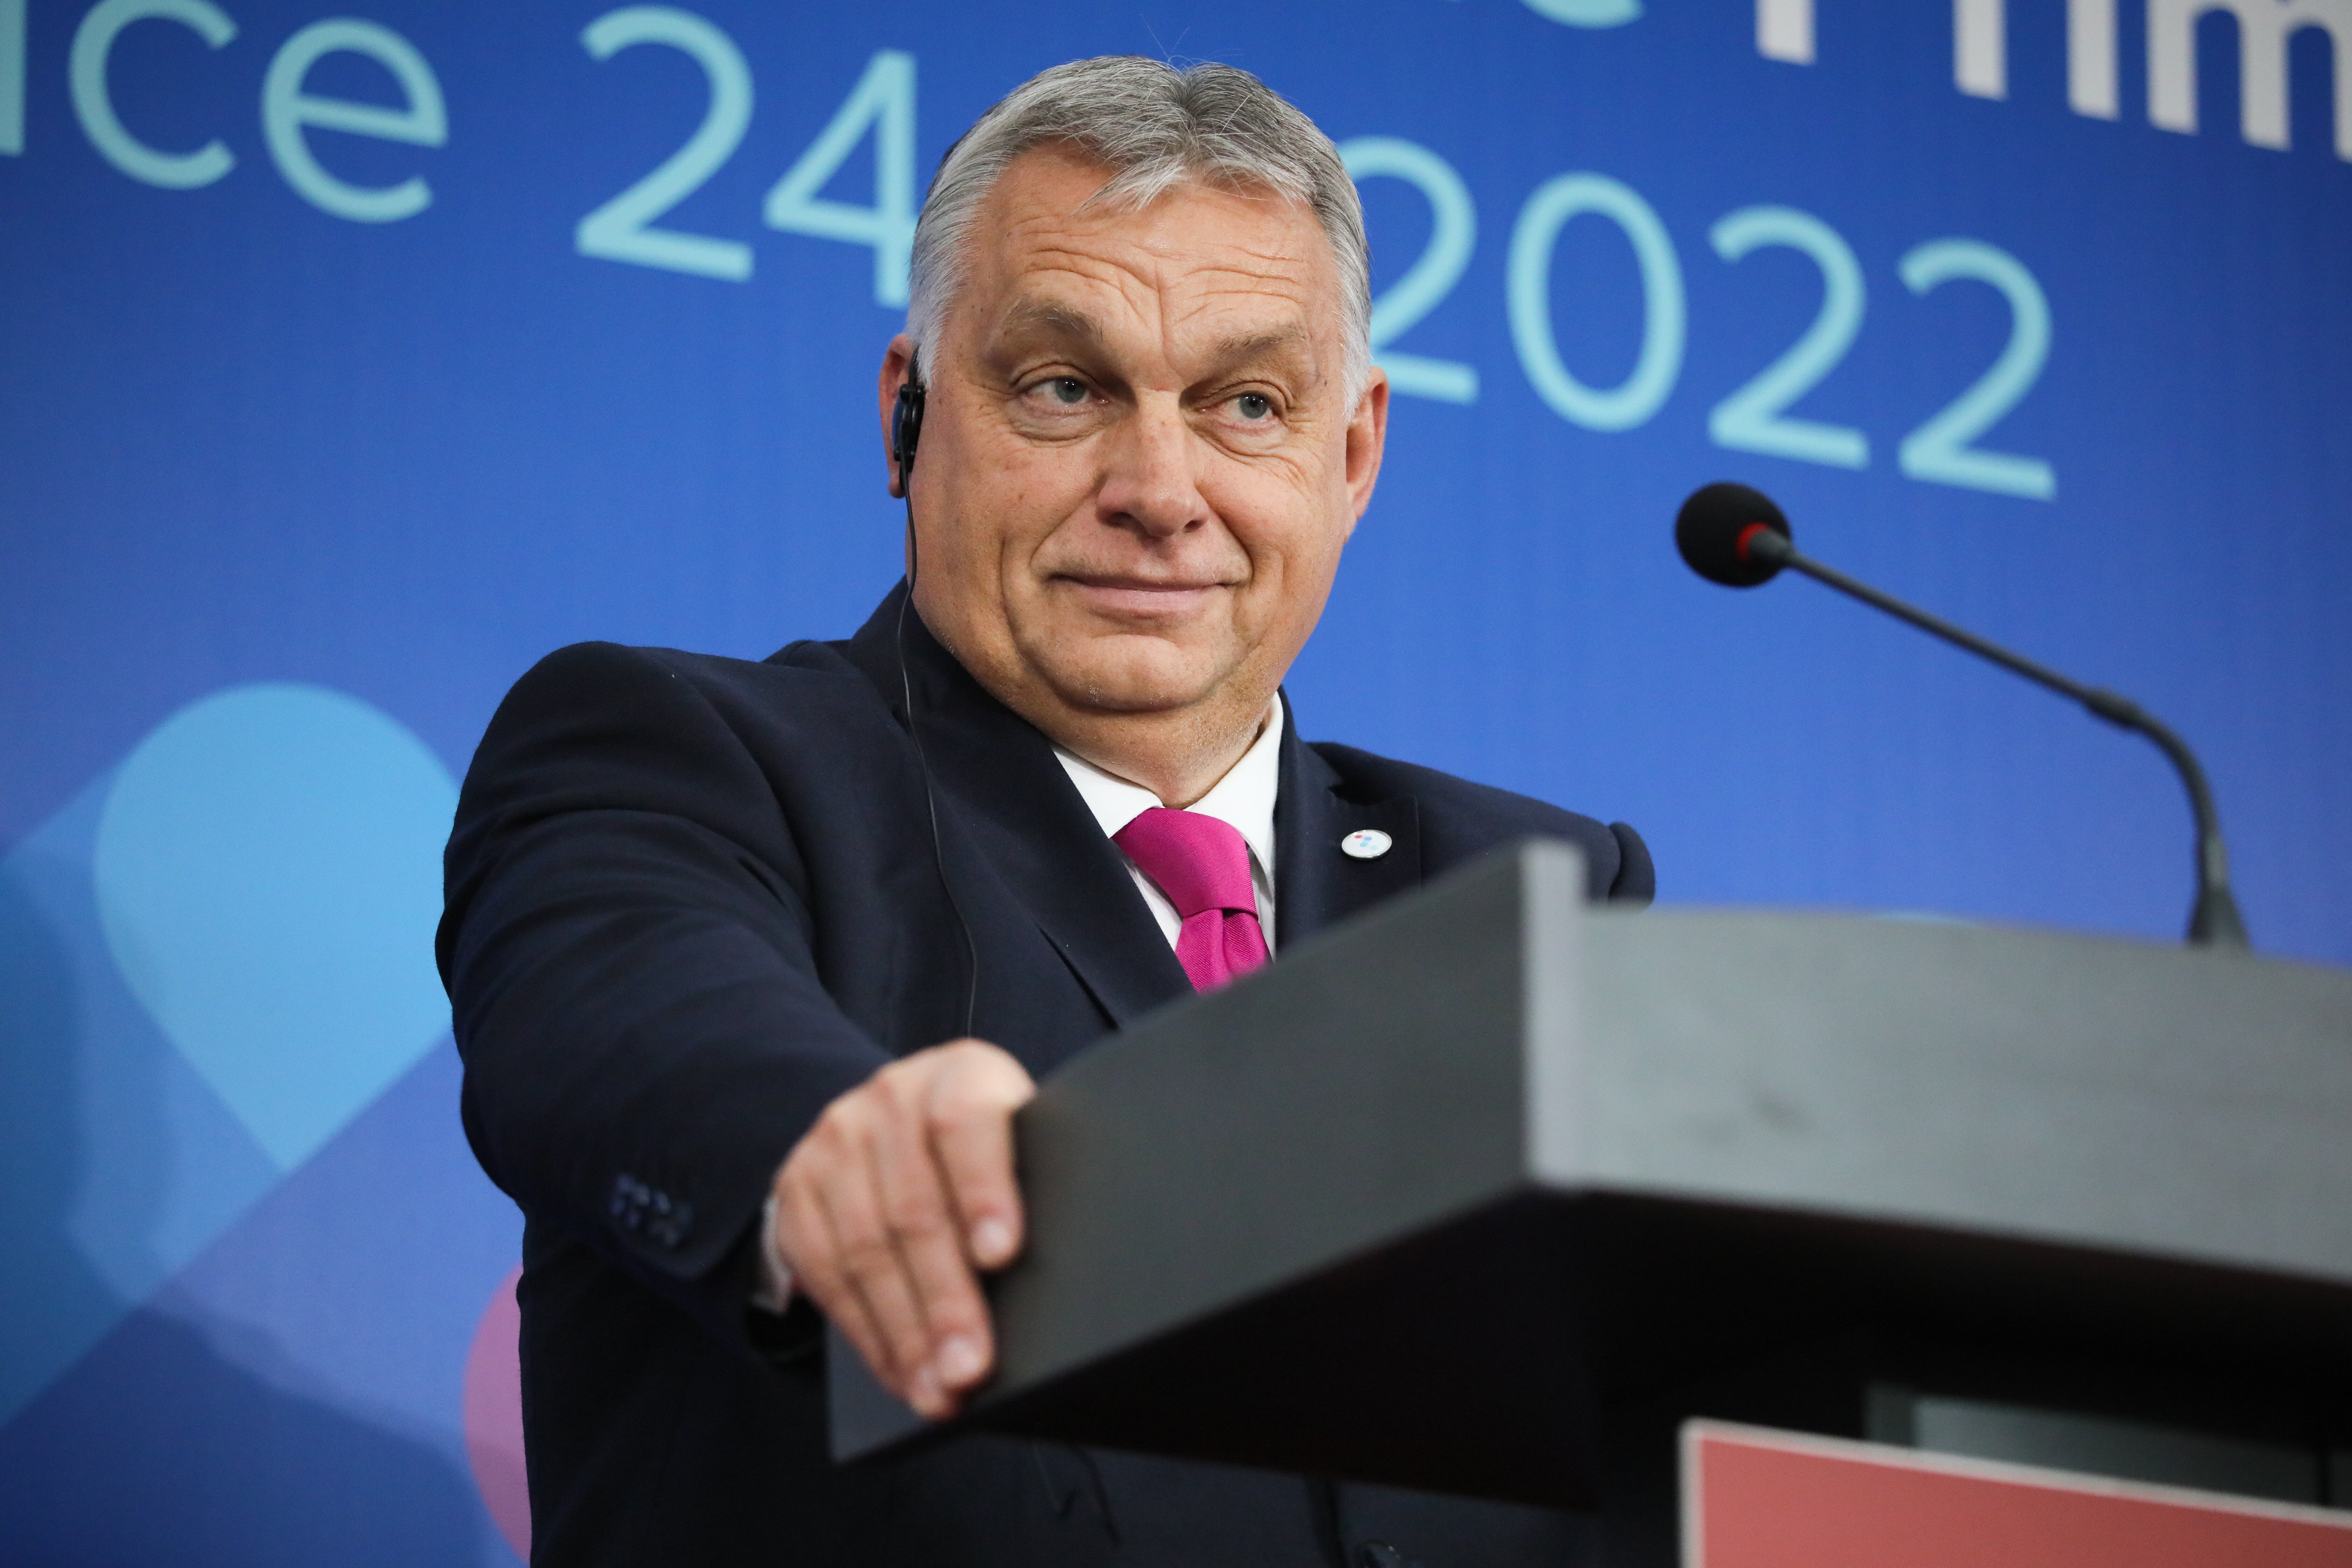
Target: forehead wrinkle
<point>1169,297</point>
<point>1253,338</point>
<point>1144,255</point>
<point>1131,250</point>
<point>1231,272</point>
<point>1212,293</point>
<point>1091,270</point>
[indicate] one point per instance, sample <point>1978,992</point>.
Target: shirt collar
<point>1243,799</point>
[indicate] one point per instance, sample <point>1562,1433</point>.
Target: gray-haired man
<point>708,923</point>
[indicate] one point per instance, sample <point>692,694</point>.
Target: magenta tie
<point>1204,866</point>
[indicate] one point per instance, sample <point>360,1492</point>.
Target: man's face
<point>1138,462</point>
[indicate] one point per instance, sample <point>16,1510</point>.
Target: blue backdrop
<point>348,364</point>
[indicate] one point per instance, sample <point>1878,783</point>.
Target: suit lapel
<point>1317,884</point>
<point>998,779</point>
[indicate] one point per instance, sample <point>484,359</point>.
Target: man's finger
<point>869,1259</point>
<point>812,1250</point>
<point>969,1117</point>
<point>805,1236</point>
<point>927,1233</point>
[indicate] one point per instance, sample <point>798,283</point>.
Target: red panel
<point>1757,1499</point>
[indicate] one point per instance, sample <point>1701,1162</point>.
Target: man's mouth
<point>1141,598</point>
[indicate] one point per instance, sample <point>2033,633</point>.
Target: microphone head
<point>1716,527</point>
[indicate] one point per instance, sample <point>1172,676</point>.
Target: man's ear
<point>1368,435</point>
<point>897,365</point>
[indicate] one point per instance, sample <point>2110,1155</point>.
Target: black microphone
<point>1736,536</point>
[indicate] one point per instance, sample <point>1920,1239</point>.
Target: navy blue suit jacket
<point>691,900</point>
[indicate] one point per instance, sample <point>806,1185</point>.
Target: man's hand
<point>885,1209</point>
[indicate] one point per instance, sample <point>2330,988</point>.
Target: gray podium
<point>1486,1191</point>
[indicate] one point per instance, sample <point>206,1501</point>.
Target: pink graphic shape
<point>493,1413</point>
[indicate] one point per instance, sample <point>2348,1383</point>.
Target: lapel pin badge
<point>1366,844</point>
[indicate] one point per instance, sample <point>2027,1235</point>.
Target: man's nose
<point>1151,483</point>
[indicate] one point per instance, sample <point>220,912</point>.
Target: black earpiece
<point>907,424</point>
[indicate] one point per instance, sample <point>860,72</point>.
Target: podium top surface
<point>2186,1103</point>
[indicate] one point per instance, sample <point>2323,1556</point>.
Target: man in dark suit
<point>752,964</point>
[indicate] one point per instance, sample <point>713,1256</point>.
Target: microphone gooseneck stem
<point>2215,920</point>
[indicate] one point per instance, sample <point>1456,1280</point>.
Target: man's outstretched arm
<point>629,953</point>
<point>651,1056</point>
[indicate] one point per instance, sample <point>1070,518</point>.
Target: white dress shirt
<point>1243,799</point>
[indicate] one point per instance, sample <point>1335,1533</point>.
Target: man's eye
<point>1254,406</point>
<point>1067,390</point>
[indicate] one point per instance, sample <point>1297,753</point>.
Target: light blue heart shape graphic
<point>1588,13</point>
<point>268,875</point>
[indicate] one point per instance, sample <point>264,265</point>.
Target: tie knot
<point>1201,863</point>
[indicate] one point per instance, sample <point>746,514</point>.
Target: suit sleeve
<point>1636,882</point>
<point>628,952</point>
